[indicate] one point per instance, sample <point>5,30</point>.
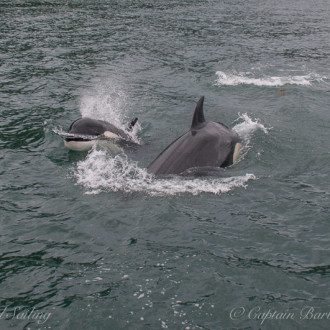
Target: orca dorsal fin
<point>131,124</point>
<point>199,113</point>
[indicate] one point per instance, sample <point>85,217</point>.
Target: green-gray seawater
<point>90,240</point>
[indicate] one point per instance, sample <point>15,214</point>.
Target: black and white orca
<point>206,145</point>
<point>85,131</point>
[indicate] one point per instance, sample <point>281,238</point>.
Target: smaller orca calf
<point>85,131</point>
<point>206,146</point>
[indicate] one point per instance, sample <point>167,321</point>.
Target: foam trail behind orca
<point>101,172</point>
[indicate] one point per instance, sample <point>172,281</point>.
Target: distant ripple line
<point>246,78</point>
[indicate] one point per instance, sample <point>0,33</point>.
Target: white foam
<point>103,172</point>
<point>248,78</point>
<point>245,128</point>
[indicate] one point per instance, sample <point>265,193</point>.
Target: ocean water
<point>91,240</point>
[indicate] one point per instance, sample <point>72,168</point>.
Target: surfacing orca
<point>84,131</point>
<point>206,145</point>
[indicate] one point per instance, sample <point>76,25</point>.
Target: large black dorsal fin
<point>199,113</point>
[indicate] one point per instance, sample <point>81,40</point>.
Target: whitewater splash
<point>245,127</point>
<point>108,101</point>
<point>101,171</point>
<point>248,78</point>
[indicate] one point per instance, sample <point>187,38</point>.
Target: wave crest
<point>248,78</point>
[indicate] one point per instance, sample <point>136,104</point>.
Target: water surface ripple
<point>90,240</point>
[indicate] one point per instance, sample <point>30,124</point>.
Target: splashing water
<point>248,126</point>
<point>102,172</point>
<point>108,101</point>
<point>245,127</point>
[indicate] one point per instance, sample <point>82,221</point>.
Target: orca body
<point>85,131</point>
<point>207,144</point>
